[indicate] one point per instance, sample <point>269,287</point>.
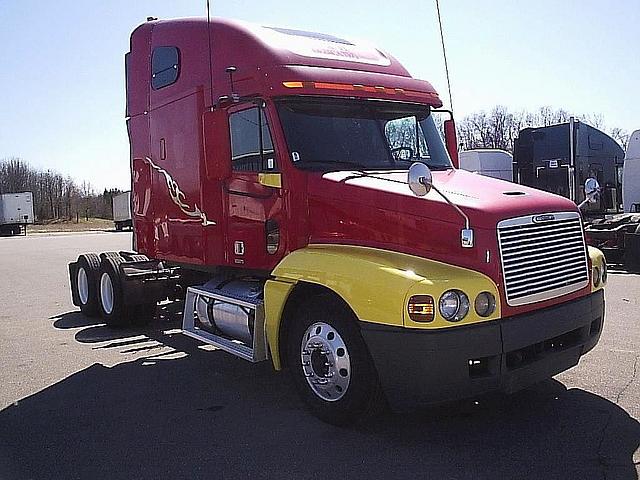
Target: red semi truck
<point>293,189</point>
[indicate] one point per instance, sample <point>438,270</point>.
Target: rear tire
<point>111,302</point>
<point>330,365</point>
<point>84,283</point>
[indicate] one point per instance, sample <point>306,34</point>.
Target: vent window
<point>165,67</point>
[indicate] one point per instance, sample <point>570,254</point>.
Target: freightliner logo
<point>543,218</point>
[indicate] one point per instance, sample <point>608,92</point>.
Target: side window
<point>401,135</point>
<point>251,151</point>
<point>165,66</point>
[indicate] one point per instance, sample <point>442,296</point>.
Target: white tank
<point>631,175</point>
<point>489,162</point>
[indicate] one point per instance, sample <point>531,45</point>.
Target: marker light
<point>454,305</point>
<point>485,304</point>
<point>359,87</point>
<point>421,308</point>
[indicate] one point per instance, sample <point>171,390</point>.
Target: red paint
<point>180,192</point>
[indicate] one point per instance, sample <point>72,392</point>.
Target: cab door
<point>254,192</point>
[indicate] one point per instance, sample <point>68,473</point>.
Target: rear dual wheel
<point>84,283</point>
<point>113,308</point>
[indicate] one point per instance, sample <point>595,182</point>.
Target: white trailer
<point>16,211</point>
<point>631,175</point>
<point>122,210</point>
<point>488,162</point>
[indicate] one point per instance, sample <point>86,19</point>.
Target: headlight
<point>604,272</point>
<point>596,277</point>
<point>453,305</point>
<point>485,304</point>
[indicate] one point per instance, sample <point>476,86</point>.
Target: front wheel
<point>330,364</point>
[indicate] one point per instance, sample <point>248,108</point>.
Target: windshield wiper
<point>432,167</point>
<point>335,162</point>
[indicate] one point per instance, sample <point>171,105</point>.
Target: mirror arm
<point>466,235</point>
<point>467,224</point>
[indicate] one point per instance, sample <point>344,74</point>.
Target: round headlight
<point>453,305</point>
<point>604,272</point>
<point>596,276</point>
<point>485,304</point>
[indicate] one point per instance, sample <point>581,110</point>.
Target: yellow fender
<point>376,284</point>
<point>597,260</point>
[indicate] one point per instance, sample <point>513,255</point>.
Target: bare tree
<point>500,127</point>
<point>54,196</point>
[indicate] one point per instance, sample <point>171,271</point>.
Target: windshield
<point>343,134</point>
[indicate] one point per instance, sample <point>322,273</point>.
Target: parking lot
<point>80,400</point>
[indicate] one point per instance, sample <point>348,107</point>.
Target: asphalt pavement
<point>80,400</point>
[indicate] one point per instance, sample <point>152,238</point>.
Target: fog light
<point>485,304</point>
<point>596,277</point>
<point>454,305</point>
<point>421,308</point>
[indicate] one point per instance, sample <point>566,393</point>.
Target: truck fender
<point>376,284</point>
<point>596,260</point>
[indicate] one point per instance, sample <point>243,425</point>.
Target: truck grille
<point>543,256</point>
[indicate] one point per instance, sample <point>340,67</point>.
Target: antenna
<point>210,54</point>
<point>444,54</point>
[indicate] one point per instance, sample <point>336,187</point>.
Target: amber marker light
<point>421,308</point>
<point>359,87</point>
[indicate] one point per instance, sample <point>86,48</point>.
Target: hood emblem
<point>543,218</point>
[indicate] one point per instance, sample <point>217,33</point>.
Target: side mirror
<point>420,179</point>
<point>217,144</point>
<point>591,190</point>
<point>451,141</point>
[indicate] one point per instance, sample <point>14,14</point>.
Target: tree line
<point>500,127</point>
<point>54,195</point>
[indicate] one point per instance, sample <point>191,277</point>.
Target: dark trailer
<point>546,159</point>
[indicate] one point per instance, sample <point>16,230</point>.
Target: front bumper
<point>418,367</point>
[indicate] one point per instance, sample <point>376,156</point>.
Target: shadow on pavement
<point>207,414</point>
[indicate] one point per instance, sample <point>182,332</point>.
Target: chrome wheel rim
<point>83,285</point>
<point>106,293</point>
<point>325,361</point>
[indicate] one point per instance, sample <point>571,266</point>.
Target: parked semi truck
<point>121,204</point>
<point>618,236</point>
<point>16,212</point>
<point>560,158</point>
<point>292,188</point>
<point>491,162</point>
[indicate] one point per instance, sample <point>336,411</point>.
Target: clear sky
<point>62,74</point>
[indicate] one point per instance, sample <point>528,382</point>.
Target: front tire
<point>330,364</point>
